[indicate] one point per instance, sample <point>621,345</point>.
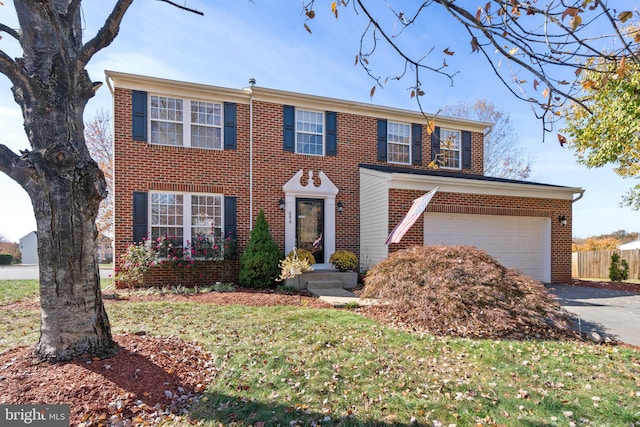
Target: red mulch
<point>151,379</point>
<point>614,286</point>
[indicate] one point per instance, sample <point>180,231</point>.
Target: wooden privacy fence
<point>596,264</point>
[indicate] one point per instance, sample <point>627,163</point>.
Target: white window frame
<point>393,143</point>
<point>322,134</point>
<point>445,135</point>
<point>186,121</point>
<point>187,224</point>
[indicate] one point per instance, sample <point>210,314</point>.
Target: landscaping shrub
<point>343,260</point>
<point>259,263</point>
<point>5,259</point>
<point>619,269</point>
<point>462,291</point>
<point>302,254</point>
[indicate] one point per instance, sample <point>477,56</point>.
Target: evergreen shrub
<point>259,263</point>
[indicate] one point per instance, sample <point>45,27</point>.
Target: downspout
<point>252,82</point>
<point>579,197</point>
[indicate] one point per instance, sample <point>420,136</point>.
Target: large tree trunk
<point>73,318</point>
<point>66,189</point>
<point>65,184</point>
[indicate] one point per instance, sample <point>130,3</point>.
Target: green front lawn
<point>300,366</point>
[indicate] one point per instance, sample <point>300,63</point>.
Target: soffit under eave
<point>177,88</point>
<point>472,186</point>
<point>243,96</point>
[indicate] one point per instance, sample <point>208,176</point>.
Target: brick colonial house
<point>329,174</point>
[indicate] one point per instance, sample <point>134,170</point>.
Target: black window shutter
<point>466,149</point>
<point>416,144</point>
<point>140,215</point>
<point>289,130</point>
<point>139,115</point>
<point>435,143</point>
<point>229,126</point>
<point>331,124</point>
<point>230,217</point>
<point>382,140</point>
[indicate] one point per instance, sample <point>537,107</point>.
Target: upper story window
<point>309,132</point>
<point>166,120</point>
<point>171,126</point>
<point>206,125</point>
<point>451,148</point>
<point>399,143</point>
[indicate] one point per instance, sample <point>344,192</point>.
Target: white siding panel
<point>374,217</point>
<point>522,243</point>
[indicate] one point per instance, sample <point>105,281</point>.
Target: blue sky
<point>237,40</point>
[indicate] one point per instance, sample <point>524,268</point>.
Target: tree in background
<point>596,244</point>
<point>51,85</point>
<point>607,131</point>
<point>604,242</point>
<point>11,248</point>
<point>503,155</point>
<point>99,139</point>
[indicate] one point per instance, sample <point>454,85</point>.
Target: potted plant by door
<point>344,260</point>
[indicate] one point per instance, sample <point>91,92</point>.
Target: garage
<point>522,243</point>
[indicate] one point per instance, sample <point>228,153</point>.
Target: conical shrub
<point>259,262</point>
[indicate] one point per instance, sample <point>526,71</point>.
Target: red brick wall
<point>491,205</point>
<point>140,166</point>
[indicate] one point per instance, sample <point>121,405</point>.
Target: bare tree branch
<point>105,35</point>
<point>12,70</point>
<point>10,165</point>
<point>197,12</point>
<point>13,33</point>
<point>544,44</point>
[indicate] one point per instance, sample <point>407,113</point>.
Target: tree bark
<point>64,183</point>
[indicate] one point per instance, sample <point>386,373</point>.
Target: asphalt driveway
<point>610,313</point>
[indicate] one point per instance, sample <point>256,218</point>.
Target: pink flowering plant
<point>135,262</point>
<point>140,257</point>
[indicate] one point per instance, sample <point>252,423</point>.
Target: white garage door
<point>522,243</point>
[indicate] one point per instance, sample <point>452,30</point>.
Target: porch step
<point>339,297</point>
<point>336,279</point>
<point>324,284</point>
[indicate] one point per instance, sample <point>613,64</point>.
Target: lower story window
<point>186,224</point>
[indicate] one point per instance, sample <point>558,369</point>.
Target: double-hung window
<point>199,126</point>
<point>451,148</point>
<point>398,143</point>
<point>309,132</point>
<point>167,118</point>
<point>187,222</point>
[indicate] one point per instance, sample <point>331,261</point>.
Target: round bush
<point>343,260</point>
<point>303,254</point>
<point>463,291</point>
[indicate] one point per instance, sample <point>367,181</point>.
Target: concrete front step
<point>338,297</point>
<point>348,279</point>
<point>324,284</point>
